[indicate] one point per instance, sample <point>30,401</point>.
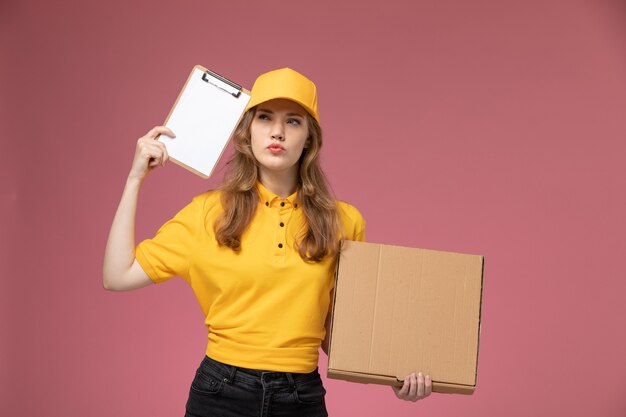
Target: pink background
<point>490,127</point>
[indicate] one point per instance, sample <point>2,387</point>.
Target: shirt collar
<point>269,199</point>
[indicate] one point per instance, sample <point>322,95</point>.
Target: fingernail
<point>420,375</point>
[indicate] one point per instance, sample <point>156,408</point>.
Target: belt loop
<point>292,385</point>
<point>231,375</point>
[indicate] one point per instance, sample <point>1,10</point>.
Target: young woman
<point>259,255</point>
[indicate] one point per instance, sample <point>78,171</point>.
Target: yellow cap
<point>285,83</point>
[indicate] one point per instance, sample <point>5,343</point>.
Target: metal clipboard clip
<point>222,83</point>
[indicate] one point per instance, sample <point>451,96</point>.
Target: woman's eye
<point>264,117</point>
<point>293,121</point>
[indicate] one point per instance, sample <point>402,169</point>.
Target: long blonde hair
<point>240,199</point>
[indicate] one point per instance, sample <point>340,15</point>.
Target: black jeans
<point>222,390</point>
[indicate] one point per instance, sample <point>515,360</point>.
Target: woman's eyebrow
<point>291,114</point>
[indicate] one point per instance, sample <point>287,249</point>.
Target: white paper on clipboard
<point>203,118</point>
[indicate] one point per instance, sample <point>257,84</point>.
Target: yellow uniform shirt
<point>264,306</point>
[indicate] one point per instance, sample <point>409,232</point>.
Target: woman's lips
<point>275,149</point>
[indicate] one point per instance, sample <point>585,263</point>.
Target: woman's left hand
<point>415,388</point>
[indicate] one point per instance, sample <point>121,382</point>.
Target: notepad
<point>203,118</point>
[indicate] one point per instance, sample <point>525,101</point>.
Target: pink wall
<point>488,126</point>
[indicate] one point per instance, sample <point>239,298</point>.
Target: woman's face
<point>279,133</point>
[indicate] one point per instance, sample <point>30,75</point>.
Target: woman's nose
<point>278,132</point>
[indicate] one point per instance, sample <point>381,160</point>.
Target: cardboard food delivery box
<point>400,310</point>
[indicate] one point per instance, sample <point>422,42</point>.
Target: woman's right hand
<point>149,153</point>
